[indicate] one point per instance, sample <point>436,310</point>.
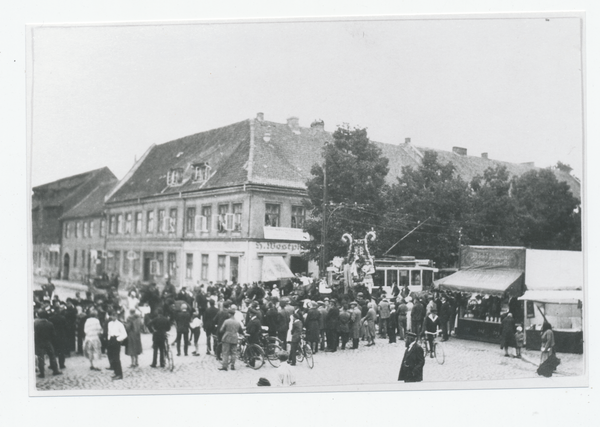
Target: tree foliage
<point>356,172</point>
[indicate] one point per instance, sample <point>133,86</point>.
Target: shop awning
<point>553,297</point>
<point>484,281</point>
<point>275,268</point>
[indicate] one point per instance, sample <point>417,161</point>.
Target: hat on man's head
<point>411,334</point>
<point>263,382</point>
<point>353,303</point>
<point>325,299</point>
<point>231,311</point>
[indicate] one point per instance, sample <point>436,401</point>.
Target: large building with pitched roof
<point>49,203</point>
<point>226,204</point>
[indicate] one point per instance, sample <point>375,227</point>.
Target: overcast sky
<point>101,95</point>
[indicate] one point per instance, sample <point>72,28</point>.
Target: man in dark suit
<point>411,370</point>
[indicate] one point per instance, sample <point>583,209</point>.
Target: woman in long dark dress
<point>547,342</point>
<point>507,336</point>
<point>134,327</point>
<point>312,323</point>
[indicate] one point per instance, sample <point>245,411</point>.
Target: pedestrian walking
<point>312,323</point>
<point>182,320</point>
<point>295,338</point>
<point>402,318</point>
<point>411,369</point>
<point>210,327</point>
<point>344,325</point>
<point>195,325</point>
<point>356,321</point>
<point>369,324</point>
<point>519,340</point>
<point>507,333</point>
<point>384,316</point>
<point>230,330</point>
<point>548,342</point>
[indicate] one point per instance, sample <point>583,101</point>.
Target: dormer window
<point>175,176</point>
<point>201,172</point>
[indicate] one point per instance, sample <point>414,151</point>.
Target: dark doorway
<point>234,266</point>
<point>66,263</point>
<point>298,265</point>
<point>147,260</point>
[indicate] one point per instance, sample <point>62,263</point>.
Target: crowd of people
<point>102,323</point>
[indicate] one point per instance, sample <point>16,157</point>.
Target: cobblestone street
<point>367,366</point>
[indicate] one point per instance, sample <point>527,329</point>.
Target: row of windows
<point>51,259</point>
<point>153,264</point>
<point>83,229</point>
<point>228,218</point>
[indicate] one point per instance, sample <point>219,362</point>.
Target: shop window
<point>237,217</point>
<point>172,265</point>
<point>161,220</point>
<point>190,220</point>
<point>221,266</point>
<point>189,265</point>
<point>117,262</point>
<point>138,223</point>
<point>204,267</point>
<point>271,215</point>
<point>234,264</point>
<point>128,222</point>
<point>298,217</point>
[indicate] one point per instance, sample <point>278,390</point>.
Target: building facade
<point>49,203</point>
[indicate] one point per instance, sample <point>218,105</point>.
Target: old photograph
<point>294,205</point>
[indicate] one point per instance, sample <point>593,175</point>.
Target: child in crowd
<point>285,376</point>
<point>519,339</point>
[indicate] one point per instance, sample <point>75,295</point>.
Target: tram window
<point>392,278</point>
<point>427,278</point>
<point>378,278</point>
<point>415,278</point>
<point>404,278</point>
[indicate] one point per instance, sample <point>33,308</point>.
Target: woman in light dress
<point>92,348</point>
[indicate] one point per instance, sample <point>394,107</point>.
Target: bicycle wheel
<point>255,356</point>
<point>308,354</point>
<point>169,358</point>
<point>438,352</point>
<point>272,354</point>
<point>299,355</point>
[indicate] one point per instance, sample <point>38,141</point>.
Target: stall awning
<point>275,268</point>
<point>484,281</point>
<point>553,297</point>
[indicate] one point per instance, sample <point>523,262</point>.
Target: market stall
<point>554,281</point>
<point>488,283</point>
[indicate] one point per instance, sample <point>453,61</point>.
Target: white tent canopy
<point>553,297</point>
<point>553,270</point>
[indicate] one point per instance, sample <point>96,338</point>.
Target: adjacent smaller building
<point>84,229</point>
<point>49,203</point>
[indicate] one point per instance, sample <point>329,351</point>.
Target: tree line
<point>430,210</point>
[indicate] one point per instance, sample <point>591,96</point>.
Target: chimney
<point>292,123</point>
<point>460,151</point>
<point>484,155</point>
<point>407,141</point>
<point>260,116</point>
<point>318,124</point>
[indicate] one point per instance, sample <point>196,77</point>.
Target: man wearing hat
<point>411,369</point>
<point>384,316</point>
<point>230,330</point>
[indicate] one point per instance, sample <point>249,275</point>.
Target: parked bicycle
<point>251,354</point>
<point>436,351</point>
<point>305,353</point>
<point>271,347</point>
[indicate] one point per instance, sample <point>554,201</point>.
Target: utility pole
<point>324,224</point>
